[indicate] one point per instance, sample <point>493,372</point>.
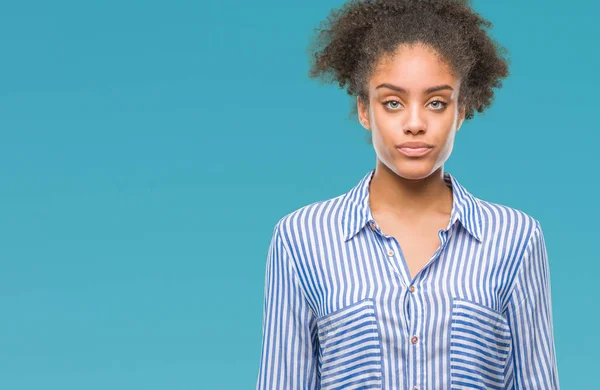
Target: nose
<point>414,120</point>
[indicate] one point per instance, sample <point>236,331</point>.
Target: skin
<point>408,197</point>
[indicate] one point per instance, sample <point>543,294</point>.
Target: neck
<point>407,198</point>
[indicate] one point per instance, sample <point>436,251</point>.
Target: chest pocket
<point>350,347</point>
<point>480,344</point>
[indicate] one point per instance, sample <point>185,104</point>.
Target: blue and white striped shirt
<point>341,310</point>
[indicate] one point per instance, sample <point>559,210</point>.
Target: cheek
<point>447,144</point>
<point>385,123</point>
<point>377,115</point>
<point>445,119</point>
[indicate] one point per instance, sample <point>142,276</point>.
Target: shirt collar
<point>357,211</point>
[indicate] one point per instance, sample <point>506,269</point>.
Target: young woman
<point>408,281</point>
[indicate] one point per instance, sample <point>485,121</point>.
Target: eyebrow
<point>428,90</point>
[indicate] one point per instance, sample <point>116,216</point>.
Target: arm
<point>529,314</point>
<point>289,352</point>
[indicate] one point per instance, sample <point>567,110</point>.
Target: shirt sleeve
<point>529,314</point>
<point>289,352</point>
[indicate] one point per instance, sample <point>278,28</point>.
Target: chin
<point>413,169</point>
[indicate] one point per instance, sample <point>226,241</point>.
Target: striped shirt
<point>342,312</point>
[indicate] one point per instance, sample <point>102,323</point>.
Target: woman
<point>408,281</point>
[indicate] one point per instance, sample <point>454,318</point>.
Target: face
<point>413,97</point>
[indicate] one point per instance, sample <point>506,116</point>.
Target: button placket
<point>416,348</point>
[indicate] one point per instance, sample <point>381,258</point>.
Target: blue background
<point>148,148</point>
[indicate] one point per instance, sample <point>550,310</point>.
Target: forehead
<point>414,67</point>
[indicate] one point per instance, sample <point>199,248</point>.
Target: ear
<point>461,116</point>
<point>363,114</point>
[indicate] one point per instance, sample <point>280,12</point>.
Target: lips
<point>414,149</point>
<point>414,145</point>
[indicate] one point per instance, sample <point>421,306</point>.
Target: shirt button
<point>412,289</point>
<point>414,339</point>
<point>390,252</point>
<point>373,227</point>
<point>415,388</point>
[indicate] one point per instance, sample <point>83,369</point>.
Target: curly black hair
<point>349,44</point>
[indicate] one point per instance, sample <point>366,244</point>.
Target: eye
<point>438,105</point>
<point>392,107</point>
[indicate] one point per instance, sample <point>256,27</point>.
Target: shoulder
<point>506,223</point>
<point>320,217</point>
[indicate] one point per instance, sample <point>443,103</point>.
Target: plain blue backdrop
<point>148,149</point>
